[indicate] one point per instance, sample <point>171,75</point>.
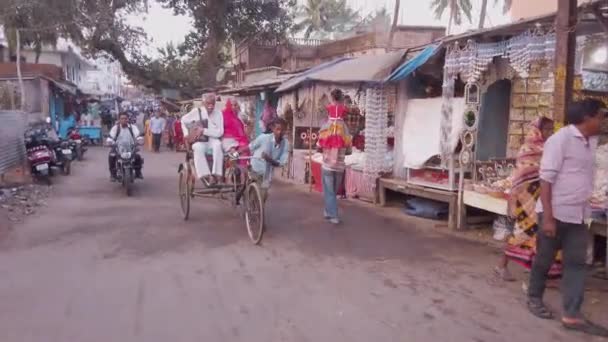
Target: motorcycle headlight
<point>125,155</point>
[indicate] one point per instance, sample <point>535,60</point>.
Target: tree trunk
<point>210,61</point>
<point>450,22</point>
<point>482,15</point>
<point>38,51</point>
<point>19,76</point>
<point>394,26</point>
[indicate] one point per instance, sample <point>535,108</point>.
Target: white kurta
<point>214,132</point>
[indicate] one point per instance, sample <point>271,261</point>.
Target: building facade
<point>105,80</point>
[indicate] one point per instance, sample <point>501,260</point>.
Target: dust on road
<point>96,266</point>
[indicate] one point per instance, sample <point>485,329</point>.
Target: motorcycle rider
<point>123,131</point>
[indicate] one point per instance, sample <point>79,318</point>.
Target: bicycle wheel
<point>254,213</point>
<point>184,192</point>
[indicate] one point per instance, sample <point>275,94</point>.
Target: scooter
<point>38,155</point>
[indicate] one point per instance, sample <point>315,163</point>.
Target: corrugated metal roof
<point>365,69</point>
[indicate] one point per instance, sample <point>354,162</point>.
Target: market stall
<point>370,117</point>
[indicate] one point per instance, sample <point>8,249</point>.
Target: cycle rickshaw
<point>241,191</point>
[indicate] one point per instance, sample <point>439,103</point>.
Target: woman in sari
<point>235,136</point>
<point>525,191</point>
<point>147,135</point>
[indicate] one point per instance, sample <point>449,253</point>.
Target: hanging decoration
<point>472,60</point>
<point>376,125</point>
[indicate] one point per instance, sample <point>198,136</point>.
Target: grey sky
<point>163,27</point>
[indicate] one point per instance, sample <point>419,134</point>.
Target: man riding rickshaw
<point>221,136</point>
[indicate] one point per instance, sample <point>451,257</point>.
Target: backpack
<point>130,131</point>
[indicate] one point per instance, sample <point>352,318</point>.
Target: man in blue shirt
<point>269,151</point>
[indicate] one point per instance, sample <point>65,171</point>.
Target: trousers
<point>572,239</point>
<point>200,150</point>
<point>331,185</point>
<point>156,140</point>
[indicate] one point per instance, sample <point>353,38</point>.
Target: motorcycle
<point>77,144</point>
<point>39,155</point>
<point>125,160</point>
<point>62,158</point>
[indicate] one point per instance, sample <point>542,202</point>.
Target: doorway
<point>493,129</point>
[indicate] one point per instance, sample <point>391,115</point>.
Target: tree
<point>457,9</point>
<point>101,27</point>
<point>506,7</point>
<point>219,22</point>
<point>95,26</point>
<point>321,18</point>
<point>35,27</point>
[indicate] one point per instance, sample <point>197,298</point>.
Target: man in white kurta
<point>212,134</point>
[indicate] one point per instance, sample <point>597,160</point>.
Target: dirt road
<point>97,266</point>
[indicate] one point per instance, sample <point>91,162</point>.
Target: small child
<point>335,134</point>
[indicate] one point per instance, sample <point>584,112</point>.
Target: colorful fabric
<point>233,126</point>
<point>524,194</point>
<point>335,133</point>
<point>354,120</point>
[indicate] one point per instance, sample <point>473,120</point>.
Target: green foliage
<point>457,9</point>
<point>320,18</point>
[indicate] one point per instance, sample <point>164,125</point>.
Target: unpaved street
<point>97,266</point>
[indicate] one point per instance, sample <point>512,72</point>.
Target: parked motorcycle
<point>125,172</point>
<point>39,155</point>
<point>62,155</point>
<point>77,144</point>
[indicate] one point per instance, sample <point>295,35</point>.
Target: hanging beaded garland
<point>376,125</point>
<point>472,60</point>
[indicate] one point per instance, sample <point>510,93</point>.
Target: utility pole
<point>565,50</point>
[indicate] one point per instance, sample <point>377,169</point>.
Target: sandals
<point>586,327</point>
<point>538,309</point>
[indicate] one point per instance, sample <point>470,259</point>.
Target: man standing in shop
<point>157,127</point>
<point>566,173</point>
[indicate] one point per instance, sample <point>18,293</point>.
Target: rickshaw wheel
<point>254,213</point>
<point>184,192</point>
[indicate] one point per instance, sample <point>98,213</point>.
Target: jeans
<point>156,139</point>
<point>331,185</point>
<point>572,239</point>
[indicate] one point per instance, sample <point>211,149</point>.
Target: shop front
<point>371,105</point>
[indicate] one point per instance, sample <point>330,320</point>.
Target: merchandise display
<point>376,127</point>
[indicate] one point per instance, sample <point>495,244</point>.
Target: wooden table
<point>485,202</point>
<point>406,188</point>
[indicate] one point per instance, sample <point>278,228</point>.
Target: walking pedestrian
<point>170,124</point>
<point>157,127</point>
<point>566,173</point>
<point>334,140</point>
<point>525,192</point>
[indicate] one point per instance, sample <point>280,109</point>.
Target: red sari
<point>178,139</point>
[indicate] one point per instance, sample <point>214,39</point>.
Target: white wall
<point>105,79</point>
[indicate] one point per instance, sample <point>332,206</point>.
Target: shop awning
<point>411,65</point>
<point>308,75</point>
<point>65,87</point>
